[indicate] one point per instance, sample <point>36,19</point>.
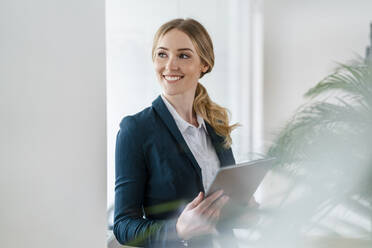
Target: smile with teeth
<point>172,78</point>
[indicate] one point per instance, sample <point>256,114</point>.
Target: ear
<point>204,68</point>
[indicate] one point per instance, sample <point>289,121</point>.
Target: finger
<point>207,214</point>
<point>209,200</point>
<point>215,209</point>
<point>215,216</point>
<point>195,202</point>
<point>220,203</point>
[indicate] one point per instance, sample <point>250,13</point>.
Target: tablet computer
<point>241,181</point>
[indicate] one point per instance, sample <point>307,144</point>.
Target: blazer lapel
<point>167,118</point>
<point>224,155</point>
<point>217,142</point>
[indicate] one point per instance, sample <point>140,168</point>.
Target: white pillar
<point>53,125</point>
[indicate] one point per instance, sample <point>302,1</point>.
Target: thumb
<point>197,200</point>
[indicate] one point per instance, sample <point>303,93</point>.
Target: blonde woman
<point>167,154</point>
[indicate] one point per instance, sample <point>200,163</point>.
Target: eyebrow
<point>180,49</point>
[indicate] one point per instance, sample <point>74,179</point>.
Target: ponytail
<point>215,115</point>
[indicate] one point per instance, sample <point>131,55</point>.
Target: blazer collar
<point>167,118</point>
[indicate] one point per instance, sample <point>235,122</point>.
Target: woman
<point>167,154</point>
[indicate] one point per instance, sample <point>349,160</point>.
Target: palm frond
<point>353,79</point>
<point>313,122</point>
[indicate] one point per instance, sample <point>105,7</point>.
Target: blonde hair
<point>211,112</point>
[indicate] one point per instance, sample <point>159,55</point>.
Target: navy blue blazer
<point>156,175</point>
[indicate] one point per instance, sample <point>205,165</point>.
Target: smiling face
<point>177,64</point>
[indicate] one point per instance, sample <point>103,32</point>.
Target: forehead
<point>175,39</point>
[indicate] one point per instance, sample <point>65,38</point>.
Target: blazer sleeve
<point>130,228</point>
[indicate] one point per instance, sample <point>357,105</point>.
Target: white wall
<point>53,126</point>
<point>303,41</point>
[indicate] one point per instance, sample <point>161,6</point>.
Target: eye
<point>161,55</point>
<point>184,56</point>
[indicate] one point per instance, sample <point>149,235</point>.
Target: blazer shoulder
<point>139,121</point>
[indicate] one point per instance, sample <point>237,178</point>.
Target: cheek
<point>193,68</point>
<point>158,66</point>
<point>194,71</point>
<point>158,72</point>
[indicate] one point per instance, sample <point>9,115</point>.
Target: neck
<point>183,104</point>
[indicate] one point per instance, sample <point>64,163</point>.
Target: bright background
<point>54,151</point>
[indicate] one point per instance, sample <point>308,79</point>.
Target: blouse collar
<point>180,122</point>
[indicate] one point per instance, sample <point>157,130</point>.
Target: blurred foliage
<point>325,155</point>
<point>332,133</point>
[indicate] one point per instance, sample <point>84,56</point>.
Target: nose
<point>172,63</point>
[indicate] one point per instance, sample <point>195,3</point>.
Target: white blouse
<point>200,144</point>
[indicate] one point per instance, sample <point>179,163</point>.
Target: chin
<point>171,92</point>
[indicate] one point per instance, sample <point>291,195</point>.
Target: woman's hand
<point>200,216</point>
